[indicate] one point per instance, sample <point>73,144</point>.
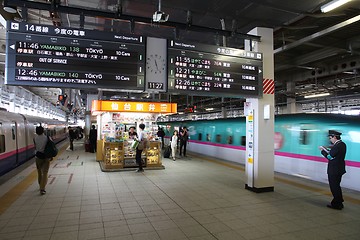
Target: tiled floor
<point>191,198</point>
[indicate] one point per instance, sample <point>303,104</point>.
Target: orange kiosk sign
<point>99,106</point>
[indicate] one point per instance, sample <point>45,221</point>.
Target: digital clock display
<point>155,85</point>
<point>199,69</point>
<point>39,55</point>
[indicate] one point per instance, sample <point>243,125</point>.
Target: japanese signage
<point>200,69</point>
<point>39,55</point>
<point>144,107</point>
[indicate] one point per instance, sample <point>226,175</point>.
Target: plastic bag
<point>135,144</point>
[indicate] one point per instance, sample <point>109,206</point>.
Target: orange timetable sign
<point>144,107</point>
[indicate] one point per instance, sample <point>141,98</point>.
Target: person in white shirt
<point>142,139</point>
<point>42,163</point>
<point>174,140</point>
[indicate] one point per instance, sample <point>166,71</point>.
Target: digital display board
<point>199,69</point>
<point>48,56</point>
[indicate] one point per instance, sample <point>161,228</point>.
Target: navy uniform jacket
<point>336,157</point>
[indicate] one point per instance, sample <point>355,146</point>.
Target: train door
<point>2,139</point>
<point>29,132</point>
<point>14,129</point>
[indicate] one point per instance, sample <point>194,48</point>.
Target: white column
<point>260,122</point>
<point>291,105</point>
<point>87,123</point>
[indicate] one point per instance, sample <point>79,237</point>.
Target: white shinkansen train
<point>16,137</point>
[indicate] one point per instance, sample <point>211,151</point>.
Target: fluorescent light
<point>209,109</point>
<point>317,95</point>
<point>10,9</point>
<point>332,5</point>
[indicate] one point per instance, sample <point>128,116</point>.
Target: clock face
<point>155,64</point>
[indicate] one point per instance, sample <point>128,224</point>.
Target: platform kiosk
<point>114,145</point>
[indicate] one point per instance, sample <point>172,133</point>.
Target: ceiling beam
<point>116,15</point>
<point>318,34</point>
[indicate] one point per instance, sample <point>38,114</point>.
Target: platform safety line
<point>283,180</point>
<point>14,193</point>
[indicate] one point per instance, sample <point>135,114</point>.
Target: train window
<point>230,139</point>
<point>243,141</point>
<point>13,134</point>
<point>2,143</point>
<point>200,136</point>
<point>218,138</point>
<point>303,137</point>
<point>208,137</point>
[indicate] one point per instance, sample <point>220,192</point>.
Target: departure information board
<point>48,56</point>
<point>199,69</point>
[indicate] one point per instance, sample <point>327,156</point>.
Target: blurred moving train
<point>16,137</point>
<point>297,137</point>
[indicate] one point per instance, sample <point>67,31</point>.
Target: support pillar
<point>259,161</point>
<point>291,105</point>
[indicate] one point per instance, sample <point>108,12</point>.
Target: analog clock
<point>155,64</point>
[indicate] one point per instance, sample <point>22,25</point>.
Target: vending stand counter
<point>114,145</point>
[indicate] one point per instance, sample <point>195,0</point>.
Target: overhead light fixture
<point>332,5</point>
<point>209,109</point>
<point>10,9</point>
<point>317,95</point>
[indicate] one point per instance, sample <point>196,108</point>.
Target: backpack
<point>50,150</point>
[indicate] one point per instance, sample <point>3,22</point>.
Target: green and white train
<point>297,137</point>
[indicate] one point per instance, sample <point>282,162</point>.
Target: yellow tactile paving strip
<point>11,196</point>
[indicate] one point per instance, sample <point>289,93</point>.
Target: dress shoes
<point>335,207</point>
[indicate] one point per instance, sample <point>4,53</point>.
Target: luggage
<point>87,147</point>
<point>167,152</point>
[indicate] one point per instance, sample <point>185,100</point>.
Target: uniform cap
<point>334,133</point>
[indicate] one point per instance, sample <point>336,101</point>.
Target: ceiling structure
<point>314,52</point>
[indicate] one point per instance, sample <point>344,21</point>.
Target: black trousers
<point>71,144</point>
<point>183,145</point>
<point>334,182</point>
<point>93,146</point>
<point>138,158</point>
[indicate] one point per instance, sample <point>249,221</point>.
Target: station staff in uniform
<point>336,167</point>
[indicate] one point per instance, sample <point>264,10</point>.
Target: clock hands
<point>157,67</point>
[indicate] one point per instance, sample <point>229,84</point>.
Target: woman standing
<point>174,140</point>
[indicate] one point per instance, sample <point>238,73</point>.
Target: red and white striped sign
<point>268,86</point>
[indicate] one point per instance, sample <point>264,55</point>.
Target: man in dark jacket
<point>161,135</point>
<point>336,167</point>
<point>93,138</point>
<point>184,137</point>
<point>72,136</point>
